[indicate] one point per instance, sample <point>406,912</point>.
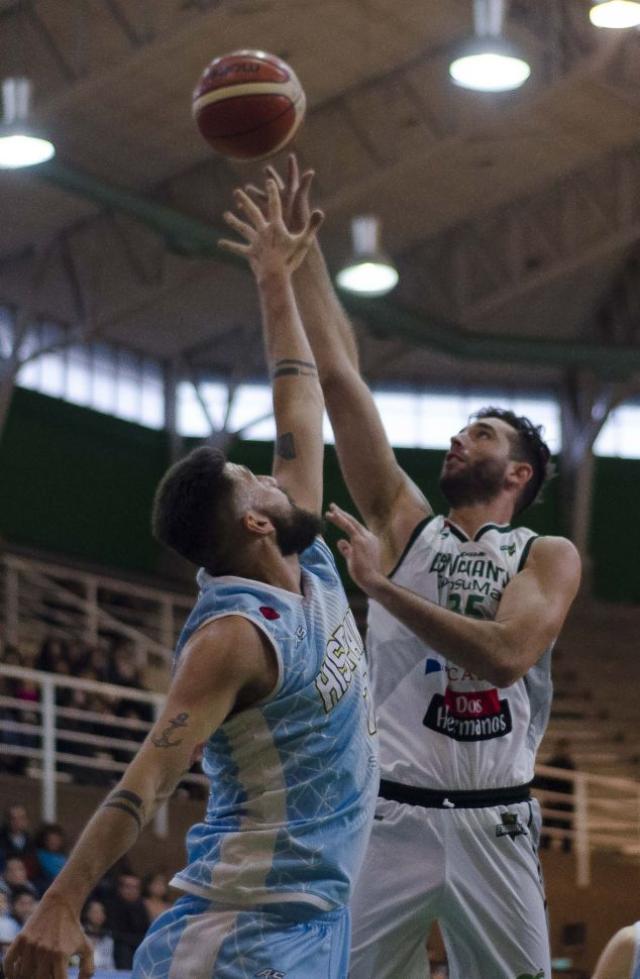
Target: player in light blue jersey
<point>269,687</point>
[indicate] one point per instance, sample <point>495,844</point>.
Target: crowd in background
<point>115,917</point>
<point>115,663</point>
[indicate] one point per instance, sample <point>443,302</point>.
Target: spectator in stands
<point>561,758</point>
<point>15,876</point>
<point>98,662</point>
<point>51,852</point>
<point>23,903</point>
<point>155,894</point>
<point>52,656</point>
<point>9,928</point>
<point>94,922</point>
<point>16,839</point>
<point>126,673</point>
<point>127,919</point>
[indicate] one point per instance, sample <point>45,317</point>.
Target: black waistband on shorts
<point>436,799</point>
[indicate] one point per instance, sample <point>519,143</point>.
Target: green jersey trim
<point>525,552</point>
<point>412,539</point>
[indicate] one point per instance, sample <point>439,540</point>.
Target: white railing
<point>39,600</point>
<point>61,743</point>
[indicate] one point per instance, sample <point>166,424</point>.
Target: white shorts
<point>474,871</point>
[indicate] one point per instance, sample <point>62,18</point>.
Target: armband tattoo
<point>128,802</point>
<point>291,367</point>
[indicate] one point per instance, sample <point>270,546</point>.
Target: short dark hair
<point>192,508</point>
<point>528,446</point>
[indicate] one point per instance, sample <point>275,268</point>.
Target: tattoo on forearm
<point>164,741</point>
<point>286,446</point>
<point>128,802</point>
<point>291,367</point>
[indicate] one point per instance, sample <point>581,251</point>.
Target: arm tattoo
<point>128,802</point>
<point>292,367</point>
<point>164,741</point>
<point>286,446</point>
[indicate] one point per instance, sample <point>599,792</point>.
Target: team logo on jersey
<point>509,548</point>
<point>432,666</point>
<point>528,975</point>
<point>472,715</point>
<point>271,974</point>
<point>510,825</point>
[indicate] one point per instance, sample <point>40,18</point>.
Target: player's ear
<point>519,474</point>
<point>257,523</point>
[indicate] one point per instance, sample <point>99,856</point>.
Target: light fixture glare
<point>489,71</point>
<point>615,14</point>
<point>374,278</point>
<point>21,150</point>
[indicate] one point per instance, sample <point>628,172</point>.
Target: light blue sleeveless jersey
<point>635,974</point>
<point>294,778</point>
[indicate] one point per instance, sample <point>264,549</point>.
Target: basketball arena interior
<point>509,213</point>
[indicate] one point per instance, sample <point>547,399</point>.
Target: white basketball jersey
<point>441,727</point>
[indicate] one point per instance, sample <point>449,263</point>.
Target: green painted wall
<point>80,483</point>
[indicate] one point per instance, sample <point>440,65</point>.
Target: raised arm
<point>531,613</point>
<point>273,253</point>
<point>389,501</point>
<point>221,663</point>
<point>616,961</point>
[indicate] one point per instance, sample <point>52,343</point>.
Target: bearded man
<point>464,612</point>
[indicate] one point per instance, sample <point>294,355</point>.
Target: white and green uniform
<point>455,834</point>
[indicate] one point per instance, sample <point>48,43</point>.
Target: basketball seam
<point>247,132</point>
<point>291,92</point>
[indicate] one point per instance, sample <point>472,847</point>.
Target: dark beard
<point>479,483</point>
<point>297,530</point>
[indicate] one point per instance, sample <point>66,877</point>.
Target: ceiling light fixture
<point>489,63</point>
<point>615,13</point>
<point>20,145</point>
<point>369,271</point>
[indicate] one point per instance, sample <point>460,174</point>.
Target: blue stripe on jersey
<point>294,778</point>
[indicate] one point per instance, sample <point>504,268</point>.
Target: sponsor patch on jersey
<point>474,715</point>
<point>269,613</point>
<point>510,825</point>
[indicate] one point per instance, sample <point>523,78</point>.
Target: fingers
<point>233,246</point>
<point>256,192</point>
<point>275,204</point>
<point>250,208</point>
<point>239,225</point>
<point>345,549</point>
<point>293,171</point>
<point>315,221</point>
<point>86,963</point>
<point>343,520</point>
<point>272,174</point>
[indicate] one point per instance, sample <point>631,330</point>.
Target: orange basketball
<point>248,104</point>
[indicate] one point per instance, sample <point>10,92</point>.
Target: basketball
<point>248,104</point>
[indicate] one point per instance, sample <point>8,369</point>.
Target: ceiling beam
<point>197,239</point>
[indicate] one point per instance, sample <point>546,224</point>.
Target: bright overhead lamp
<point>369,271</point>
<point>20,145</point>
<point>615,13</point>
<point>489,63</point>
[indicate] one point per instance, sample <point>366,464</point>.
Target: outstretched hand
<point>270,246</point>
<point>294,193</point>
<point>46,943</point>
<point>362,551</point>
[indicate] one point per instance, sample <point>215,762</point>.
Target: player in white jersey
<point>269,686</point>
<point>463,614</point>
<point>621,957</point>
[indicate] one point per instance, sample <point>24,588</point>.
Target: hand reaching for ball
<point>270,246</point>
<point>294,193</point>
